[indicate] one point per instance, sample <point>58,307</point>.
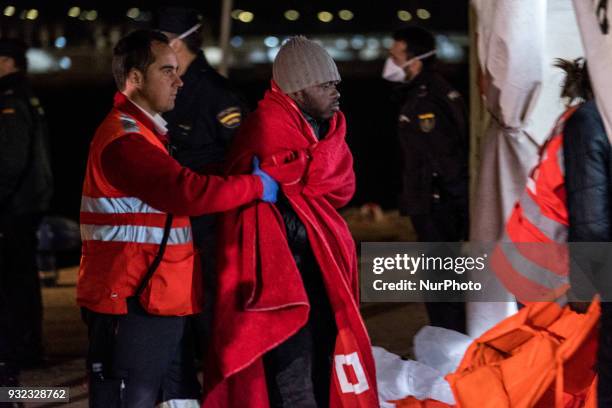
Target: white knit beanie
<point>301,63</point>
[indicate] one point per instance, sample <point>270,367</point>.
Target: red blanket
<point>261,301</point>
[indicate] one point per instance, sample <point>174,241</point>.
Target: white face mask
<point>395,73</point>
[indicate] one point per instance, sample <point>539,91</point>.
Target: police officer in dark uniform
<point>434,144</point>
<point>206,115</point>
<point>25,191</point>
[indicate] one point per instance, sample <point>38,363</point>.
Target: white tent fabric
<point>511,39</point>
<point>518,41</point>
<point>594,19</point>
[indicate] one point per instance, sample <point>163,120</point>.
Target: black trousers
<point>447,222</point>
<point>137,360</point>
<point>20,296</point>
<point>298,371</point>
<point>205,240</point>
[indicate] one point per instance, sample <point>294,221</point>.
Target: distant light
<point>325,16</point>
<point>272,53</point>
<point>346,15</point>
<point>449,50</point>
<point>404,15</point>
<point>258,57</point>
<point>10,11</point>
<point>387,42</point>
<point>246,16</point>
<point>214,55</point>
<point>292,15</point>
<point>134,12</point>
<point>369,54</point>
<point>373,43</point>
<point>74,12</point>
<point>40,61</point>
<point>91,15</point>
<point>60,42</point>
<point>357,42</point>
<point>342,43</point>
<point>423,14</point>
<point>271,42</point>
<point>236,14</point>
<point>341,55</point>
<point>65,63</point>
<point>236,41</point>
<point>32,14</point>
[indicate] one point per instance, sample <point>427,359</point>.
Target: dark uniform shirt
<point>26,183</point>
<point>205,117</point>
<point>433,138</point>
<point>206,114</point>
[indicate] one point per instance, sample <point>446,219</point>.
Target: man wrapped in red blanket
<point>287,328</point>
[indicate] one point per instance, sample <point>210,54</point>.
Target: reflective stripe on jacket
<point>121,236</point>
<point>532,260</point>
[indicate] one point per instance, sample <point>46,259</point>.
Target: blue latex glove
<point>270,186</point>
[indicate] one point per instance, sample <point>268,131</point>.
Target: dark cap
<point>16,49</point>
<point>177,20</point>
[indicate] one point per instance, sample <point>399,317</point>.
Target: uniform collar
<point>421,78</point>
<point>198,65</point>
<point>154,123</point>
<point>403,90</point>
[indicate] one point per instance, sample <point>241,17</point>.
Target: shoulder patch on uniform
<point>452,95</point>
<point>129,124</point>
<point>230,117</point>
<point>427,122</point>
<point>8,111</point>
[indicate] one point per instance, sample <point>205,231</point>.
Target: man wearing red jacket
<point>287,330</point>
<point>139,274</point>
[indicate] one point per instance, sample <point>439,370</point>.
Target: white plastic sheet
<point>439,352</point>
<point>440,348</point>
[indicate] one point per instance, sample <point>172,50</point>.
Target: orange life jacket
<point>532,258</point>
<point>542,357</point>
<point>121,236</point>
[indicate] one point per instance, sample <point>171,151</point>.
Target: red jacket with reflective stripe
<point>532,262</point>
<point>121,230</point>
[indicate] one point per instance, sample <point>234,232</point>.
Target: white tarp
<point>511,42</point>
<point>438,351</point>
<point>594,18</point>
<point>518,41</point>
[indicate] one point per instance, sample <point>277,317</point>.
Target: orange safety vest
<point>121,236</point>
<point>532,260</point>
